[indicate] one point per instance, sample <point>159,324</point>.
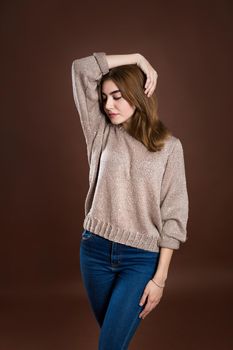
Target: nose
<point>108,104</point>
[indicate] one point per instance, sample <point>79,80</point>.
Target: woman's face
<point>115,104</point>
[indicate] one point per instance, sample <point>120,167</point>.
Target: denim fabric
<point>114,276</point>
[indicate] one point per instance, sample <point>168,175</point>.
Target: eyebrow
<point>111,92</point>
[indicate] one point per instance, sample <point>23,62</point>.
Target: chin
<point>115,121</point>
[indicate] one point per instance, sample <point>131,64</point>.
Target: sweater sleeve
<point>86,74</point>
<point>174,200</point>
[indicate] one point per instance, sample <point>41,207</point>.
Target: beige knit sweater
<point>135,197</point>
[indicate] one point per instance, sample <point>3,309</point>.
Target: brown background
<point>44,169</point>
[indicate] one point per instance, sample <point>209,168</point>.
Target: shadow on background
<point>44,169</point>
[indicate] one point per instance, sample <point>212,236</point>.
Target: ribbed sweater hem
<point>117,234</point>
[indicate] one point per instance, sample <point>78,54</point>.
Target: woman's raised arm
<point>120,60</point>
<point>86,74</point>
<point>136,58</point>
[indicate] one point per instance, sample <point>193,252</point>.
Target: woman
<point>136,209</point>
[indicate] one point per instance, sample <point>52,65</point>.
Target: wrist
<point>138,57</point>
<point>160,278</point>
<point>160,285</point>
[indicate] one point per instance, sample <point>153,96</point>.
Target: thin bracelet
<point>158,284</point>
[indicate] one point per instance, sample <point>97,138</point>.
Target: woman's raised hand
<point>151,74</point>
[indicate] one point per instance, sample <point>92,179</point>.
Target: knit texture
<point>135,197</point>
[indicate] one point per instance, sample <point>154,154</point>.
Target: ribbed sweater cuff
<point>102,61</point>
<point>169,242</point>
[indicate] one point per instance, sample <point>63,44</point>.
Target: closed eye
<point>115,98</point>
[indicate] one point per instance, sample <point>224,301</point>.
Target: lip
<point>112,114</point>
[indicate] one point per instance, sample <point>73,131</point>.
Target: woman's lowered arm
<point>163,265</point>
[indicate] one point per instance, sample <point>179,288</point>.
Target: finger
<point>144,313</point>
<point>148,82</point>
<point>156,79</point>
<point>150,92</point>
<point>146,309</point>
<point>152,88</point>
<point>143,316</point>
<point>143,299</point>
<point>150,79</point>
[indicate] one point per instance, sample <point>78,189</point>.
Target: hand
<point>151,74</point>
<point>153,294</point>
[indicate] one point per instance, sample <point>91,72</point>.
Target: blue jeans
<point>115,276</point>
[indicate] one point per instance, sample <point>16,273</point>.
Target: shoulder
<point>175,149</point>
<point>171,143</point>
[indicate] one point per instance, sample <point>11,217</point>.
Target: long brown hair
<point>144,125</point>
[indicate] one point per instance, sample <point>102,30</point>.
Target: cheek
<point>124,105</point>
<point>129,110</point>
